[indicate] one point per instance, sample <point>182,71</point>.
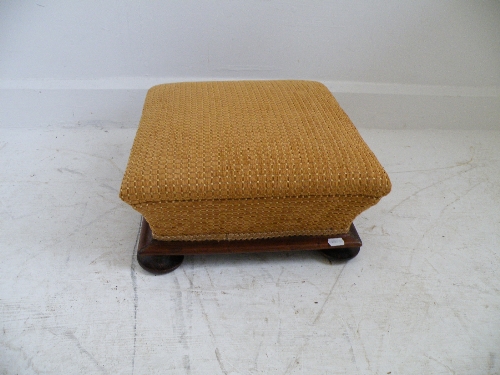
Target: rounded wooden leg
<point>159,264</point>
<point>344,253</point>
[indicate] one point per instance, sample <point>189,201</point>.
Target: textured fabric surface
<point>249,159</point>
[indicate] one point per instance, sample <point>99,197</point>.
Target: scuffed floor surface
<point>422,297</point>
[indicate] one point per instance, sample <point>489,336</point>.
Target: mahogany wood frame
<point>165,256</point>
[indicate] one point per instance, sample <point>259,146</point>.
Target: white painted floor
<point>422,297</point>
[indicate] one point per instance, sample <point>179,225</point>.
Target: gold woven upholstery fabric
<point>249,159</point>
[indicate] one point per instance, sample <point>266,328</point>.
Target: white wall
<point>393,64</point>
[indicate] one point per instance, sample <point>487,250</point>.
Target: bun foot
<point>344,253</point>
<point>159,264</point>
<point>151,256</point>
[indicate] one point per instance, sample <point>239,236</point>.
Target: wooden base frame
<point>165,256</point>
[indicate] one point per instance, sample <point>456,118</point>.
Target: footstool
<point>247,166</point>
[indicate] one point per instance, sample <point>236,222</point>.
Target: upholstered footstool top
<point>249,159</point>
